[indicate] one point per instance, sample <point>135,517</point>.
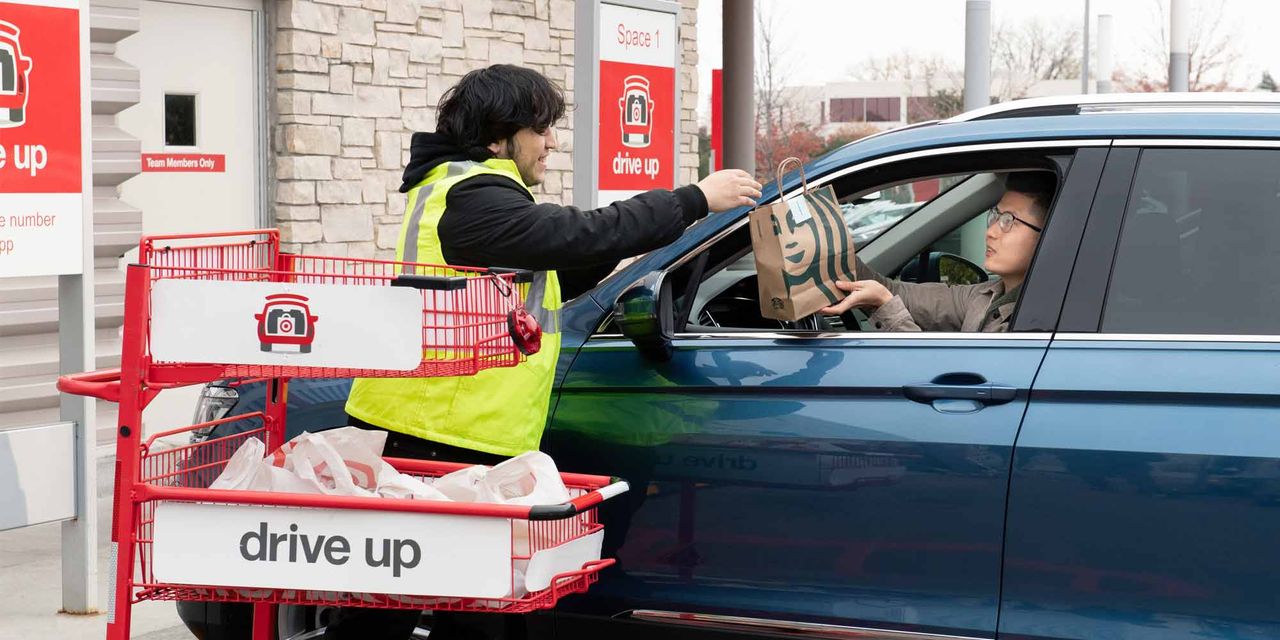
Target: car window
<point>871,214</point>
<point>1199,245</point>
<point>942,239</point>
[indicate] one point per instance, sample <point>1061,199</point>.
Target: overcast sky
<point>825,39</point>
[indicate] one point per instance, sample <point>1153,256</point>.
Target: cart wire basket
<point>473,319</point>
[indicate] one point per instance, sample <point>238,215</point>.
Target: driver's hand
<point>863,294</point>
<point>729,188</point>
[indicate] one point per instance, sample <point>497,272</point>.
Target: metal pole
<point>76,353</point>
<point>977,94</point>
<point>586,52</point>
<point>739,137</point>
<point>1179,45</point>
<point>977,54</point>
<point>1106,61</point>
<point>1084,56</point>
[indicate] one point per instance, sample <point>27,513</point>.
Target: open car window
<point>728,297</point>
<point>917,220</point>
<point>918,230</point>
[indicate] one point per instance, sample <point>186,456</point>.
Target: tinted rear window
<point>1200,245</point>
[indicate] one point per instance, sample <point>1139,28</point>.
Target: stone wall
<point>355,79</point>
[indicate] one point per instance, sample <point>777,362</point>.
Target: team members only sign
<point>638,107</point>
<point>41,199</point>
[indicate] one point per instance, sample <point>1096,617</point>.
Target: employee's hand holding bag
<point>729,188</point>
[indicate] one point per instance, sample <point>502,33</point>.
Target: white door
<point>199,121</point>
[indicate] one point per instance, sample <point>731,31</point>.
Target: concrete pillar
<point>977,94</point>
<point>1106,56</point>
<point>739,85</point>
<point>1084,56</point>
<point>977,54</point>
<point>1179,45</point>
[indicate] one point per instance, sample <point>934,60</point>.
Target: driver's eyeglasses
<point>1006,220</point>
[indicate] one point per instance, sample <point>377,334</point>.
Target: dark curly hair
<point>491,104</point>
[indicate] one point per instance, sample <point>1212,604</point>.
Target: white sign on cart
<point>342,550</point>
<point>309,325</point>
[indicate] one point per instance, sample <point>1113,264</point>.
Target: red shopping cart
<point>287,316</point>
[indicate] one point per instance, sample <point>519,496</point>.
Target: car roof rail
<point>1233,102</point>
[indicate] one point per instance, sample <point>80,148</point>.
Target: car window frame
<point>1038,308</point>
<point>1087,291</point>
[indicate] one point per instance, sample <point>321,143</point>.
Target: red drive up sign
<point>41,190</point>
<point>637,97</point>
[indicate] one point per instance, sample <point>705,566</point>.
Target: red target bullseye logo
<point>286,326</point>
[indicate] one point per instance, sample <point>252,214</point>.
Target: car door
<point>1145,495</point>
<point>789,483</point>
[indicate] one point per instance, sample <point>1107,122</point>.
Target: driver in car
<point>1014,227</point>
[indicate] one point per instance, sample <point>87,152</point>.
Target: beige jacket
<point>932,306</point>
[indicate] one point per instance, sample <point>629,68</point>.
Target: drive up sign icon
<point>636,106</point>
<point>14,71</point>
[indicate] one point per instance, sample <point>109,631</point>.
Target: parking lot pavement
<point>31,584</point>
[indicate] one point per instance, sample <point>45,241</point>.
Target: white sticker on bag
<point>799,209</point>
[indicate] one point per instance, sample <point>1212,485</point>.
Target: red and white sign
<point>41,138</point>
<point>309,325</point>
<point>637,93</point>
<point>184,162</point>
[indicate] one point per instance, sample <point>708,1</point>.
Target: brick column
<point>356,78</point>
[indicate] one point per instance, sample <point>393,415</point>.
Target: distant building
<point>831,107</point>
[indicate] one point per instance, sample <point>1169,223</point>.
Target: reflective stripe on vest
<point>502,410</point>
<point>548,319</point>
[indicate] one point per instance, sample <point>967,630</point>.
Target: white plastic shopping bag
<point>242,469</point>
<point>527,479</point>
<point>346,461</point>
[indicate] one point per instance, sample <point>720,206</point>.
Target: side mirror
<point>953,270</point>
<point>643,313</point>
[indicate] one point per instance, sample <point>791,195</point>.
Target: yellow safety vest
<point>502,410</point>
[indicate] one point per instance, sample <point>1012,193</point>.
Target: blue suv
<point>1109,468</point>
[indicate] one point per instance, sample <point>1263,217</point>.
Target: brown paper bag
<point>802,247</point>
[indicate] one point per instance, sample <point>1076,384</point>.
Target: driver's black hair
<point>491,104</point>
<point>1039,185</point>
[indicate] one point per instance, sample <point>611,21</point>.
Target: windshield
<point>871,214</point>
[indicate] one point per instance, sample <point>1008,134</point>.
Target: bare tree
<point>940,81</point>
<point>1211,47</point>
<point>776,111</point>
<point>903,65</point>
<point>1028,52</point>
<point>1268,83</point>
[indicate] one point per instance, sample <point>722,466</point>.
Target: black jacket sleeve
<point>575,282</point>
<point>492,221</point>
